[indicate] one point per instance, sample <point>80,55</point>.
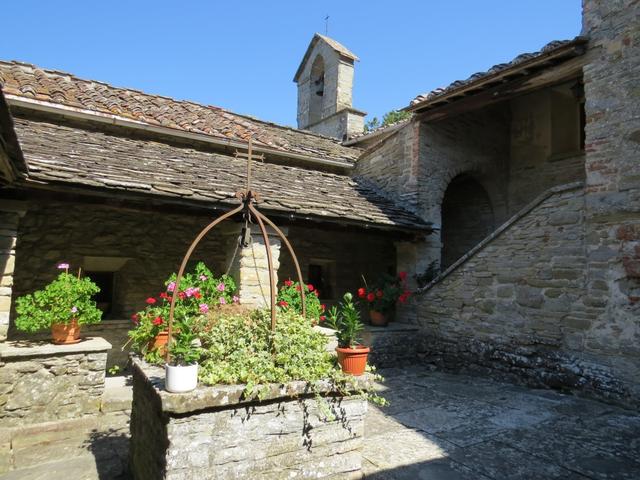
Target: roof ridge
<point>75,78</point>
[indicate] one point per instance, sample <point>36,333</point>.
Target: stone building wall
<point>392,166</point>
<point>613,181</point>
<point>151,246</point>
<point>344,255</point>
<point>544,143</point>
<point>518,307</point>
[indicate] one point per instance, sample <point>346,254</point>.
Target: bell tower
<point>325,86</point>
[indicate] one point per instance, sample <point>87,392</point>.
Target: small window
<point>319,276</point>
<point>104,298</point>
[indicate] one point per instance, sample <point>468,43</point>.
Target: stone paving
<point>442,426</point>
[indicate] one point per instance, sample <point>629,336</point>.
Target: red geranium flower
<point>164,295</point>
<point>323,307</point>
<point>157,321</point>
<point>316,293</point>
<point>379,294</point>
<point>288,283</point>
<point>362,292</point>
<point>371,297</point>
<point>322,318</point>
<point>135,318</point>
<point>151,300</point>
<point>182,295</point>
<point>197,295</point>
<point>402,276</point>
<point>298,288</point>
<point>282,303</point>
<point>310,287</point>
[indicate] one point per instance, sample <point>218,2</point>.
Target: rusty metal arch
<point>247,199</point>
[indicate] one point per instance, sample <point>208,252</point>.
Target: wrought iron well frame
<point>247,199</point>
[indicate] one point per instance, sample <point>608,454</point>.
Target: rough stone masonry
<point>213,432</point>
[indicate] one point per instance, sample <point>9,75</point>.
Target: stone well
<point>213,432</point>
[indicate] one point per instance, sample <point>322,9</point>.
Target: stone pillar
<point>10,213</point>
<point>250,269</point>
<point>611,79</point>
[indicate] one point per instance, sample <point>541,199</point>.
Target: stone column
<point>249,266</point>
<point>611,79</point>
<point>10,213</point>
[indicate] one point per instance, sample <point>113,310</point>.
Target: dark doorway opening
<point>467,218</point>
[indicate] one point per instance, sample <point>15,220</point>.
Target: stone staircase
<point>87,448</point>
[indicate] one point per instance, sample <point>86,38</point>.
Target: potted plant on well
<point>181,373</point>
<point>200,291</point>
<point>383,296</point>
<point>63,306</point>
<point>345,320</point>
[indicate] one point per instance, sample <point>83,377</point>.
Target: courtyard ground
<point>440,426</point>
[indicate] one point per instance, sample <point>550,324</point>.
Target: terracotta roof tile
<point>51,86</point>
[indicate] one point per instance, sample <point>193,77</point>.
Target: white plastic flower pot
<point>181,378</point>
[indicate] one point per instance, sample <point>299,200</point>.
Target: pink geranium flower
<point>63,266</point>
<point>236,299</point>
<point>222,301</point>
<point>204,308</point>
<point>171,287</point>
<point>220,287</point>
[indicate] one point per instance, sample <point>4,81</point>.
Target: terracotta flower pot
<point>378,319</point>
<point>353,360</point>
<point>65,333</point>
<point>159,342</point>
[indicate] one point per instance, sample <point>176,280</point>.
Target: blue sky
<point>242,55</point>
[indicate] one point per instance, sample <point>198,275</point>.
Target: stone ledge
<point>28,348</point>
<point>228,396</point>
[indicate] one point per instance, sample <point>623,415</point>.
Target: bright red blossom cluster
<point>378,293</point>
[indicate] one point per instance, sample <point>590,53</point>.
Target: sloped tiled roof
<point>30,82</point>
<point>60,155</point>
<point>521,61</point>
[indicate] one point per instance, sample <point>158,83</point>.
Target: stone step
<point>84,467</point>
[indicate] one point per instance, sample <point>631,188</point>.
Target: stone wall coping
<point>221,397</point>
<point>33,348</point>
<point>501,229</point>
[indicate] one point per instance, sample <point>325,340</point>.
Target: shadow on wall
<point>110,449</point>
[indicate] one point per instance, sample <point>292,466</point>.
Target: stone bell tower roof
<point>336,46</point>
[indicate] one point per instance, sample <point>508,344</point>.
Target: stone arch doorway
<point>467,218</point>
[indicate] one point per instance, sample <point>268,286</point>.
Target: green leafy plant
<point>238,347</point>
<point>388,118</point>
<point>383,295</point>
<point>185,347</point>
<point>114,370</point>
<point>63,300</point>
<point>290,300</point>
<point>345,320</point>
<point>200,292</point>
